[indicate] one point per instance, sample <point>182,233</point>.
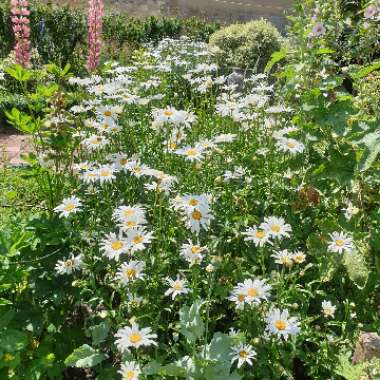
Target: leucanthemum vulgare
<point>68,206</point>
<point>134,336</point>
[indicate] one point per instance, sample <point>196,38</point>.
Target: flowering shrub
<point>245,46</point>
<point>194,228</point>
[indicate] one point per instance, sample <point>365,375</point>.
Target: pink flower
<point>95,14</point>
<point>370,12</point>
<point>21,30</point>
<point>318,30</point>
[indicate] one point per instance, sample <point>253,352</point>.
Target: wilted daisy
<point>298,257</point>
<point>177,287</point>
<point>290,145</point>
<point>283,257</point>
<point>276,227</point>
<point>130,371</point>
<point>131,271</point>
<point>328,309</point>
<point>68,206</point>
<point>134,337</point>
<point>279,323</point>
<point>114,245</point>
<point>340,242</point>
<point>193,253</point>
<point>244,353</point>
<point>138,238</point>
<point>67,266</point>
<point>259,236</point>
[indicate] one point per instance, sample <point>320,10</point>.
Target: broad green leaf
<point>275,58</point>
<point>84,357</point>
<point>18,72</point>
<point>357,269</point>
<point>191,323</point>
<point>12,340</point>
<point>99,332</point>
<point>219,348</point>
<point>371,144</point>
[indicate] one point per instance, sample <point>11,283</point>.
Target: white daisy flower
<point>134,337</point>
<point>130,371</point>
<point>106,173</point>
<point>298,257</point>
<point>114,245</point>
<point>279,323</point>
<point>290,145</point>
<point>138,238</point>
<point>95,142</point>
<point>130,272</point>
<point>198,218</point>
<point>259,236</point>
<point>67,266</point>
<point>328,309</point>
<point>244,353</point>
<point>193,253</point>
<point>341,242</point>
<point>276,227</point>
<point>89,176</point>
<point>68,206</point>
<point>191,153</point>
<point>283,257</point>
<point>254,290</point>
<point>177,287</point>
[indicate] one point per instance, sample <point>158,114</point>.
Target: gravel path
<point>11,148</point>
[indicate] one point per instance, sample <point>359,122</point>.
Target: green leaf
<point>371,144</point>
<point>365,70</point>
<point>99,332</point>
<point>357,269</point>
<point>4,301</point>
<point>191,323</point>
<point>12,340</point>
<point>18,72</point>
<point>84,357</point>
<point>275,58</point>
<point>219,348</point>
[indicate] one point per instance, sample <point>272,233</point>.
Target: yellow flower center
<point>177,286</point>
<point>241,297</point>
<point>69,207</point>
<point>196,249</point>
<point>137,239</point>
<point>68,263</point>
<point>197,215</point>
<point>105,126</point>
<point>129,212</point>
<point>117,245</point>
<point>107,113</point>
<point>260,234</point>
<point>280,325</point>
<point>243,354</point>
<point>131,224</point>
<point>191,152</point>
<point>105,173</point>
<point>252,292</point>
<point>130,273</point>
<point>275,228</point>
<point>291,144</point>
<point>193,202</point>
<point>168,113</point>
<point>135,338</point>
<point>129,375</point>
<point>172,145</point>
<point>339,242</point>
<point>123,161</point>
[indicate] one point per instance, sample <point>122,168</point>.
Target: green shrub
<point>245,46</point>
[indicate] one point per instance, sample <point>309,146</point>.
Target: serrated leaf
<point>84,357</point>
<point>371,143</point>
<point>356,268</point>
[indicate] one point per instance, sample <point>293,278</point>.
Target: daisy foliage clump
<point>217,230</point>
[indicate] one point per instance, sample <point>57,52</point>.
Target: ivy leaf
<point>191,323</point>
<point>84,357</point>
